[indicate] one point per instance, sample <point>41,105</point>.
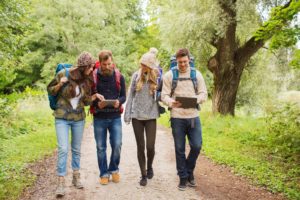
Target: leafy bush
<point>284,128</point>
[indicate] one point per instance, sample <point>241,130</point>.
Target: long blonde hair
<point>151,77</point>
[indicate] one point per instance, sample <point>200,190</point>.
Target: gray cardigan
<point>141,104</point>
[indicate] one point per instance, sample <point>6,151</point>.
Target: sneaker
<point>150,173</point>
<point>143,181</point>
<point>182,184</point>
<point>115,177</point>
<point>103,180</point>
<point>60,190</point>
<point>76,180</point>
<point>191,181</point>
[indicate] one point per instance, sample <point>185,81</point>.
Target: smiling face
<point>183,63</point>
<point>88,70</point>
<point>107,67</point>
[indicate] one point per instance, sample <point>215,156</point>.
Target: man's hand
<point>101,104</point>
<point>176,104</point>
<point>98,96</point>
<point>117,104</point>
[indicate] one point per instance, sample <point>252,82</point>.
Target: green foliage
<point>63,29</point>
<point>295,63</point>
<point>284,127</point>
<point>265,68</point>
<point>29,136</point>
<point>248,145</point>
<point>280,16</point>
<point>14,24</point>
<point>10,107</point>
<point>286,38</point>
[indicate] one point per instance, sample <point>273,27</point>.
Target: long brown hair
<point>78,78</point>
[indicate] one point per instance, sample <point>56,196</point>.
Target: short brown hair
<point>104,55</point>
<point>182,53</point>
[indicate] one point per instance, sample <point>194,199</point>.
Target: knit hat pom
<point>153,50</point>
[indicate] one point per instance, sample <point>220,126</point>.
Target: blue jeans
<point>62,127</point>
<point>114,126</point>
<point>192,129</point>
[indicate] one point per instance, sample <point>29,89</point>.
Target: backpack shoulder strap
<point>175,74</point>
<point>193,77</point>
<point>118,78</point>
<point>67,72</point>
<point>95,79</point>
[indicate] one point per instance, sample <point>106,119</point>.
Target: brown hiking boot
<point>76,180</point>
<point>103,180</point>
<point>115,177</point>
<point>60,190</point>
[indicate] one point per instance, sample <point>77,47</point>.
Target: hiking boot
<point>115,177</point>
<point>60,190</point>
<point>76,180</point>
<point>182,184</point>
<point>191,181</point>
<point>103,180</point>
<point>150,173</point>
<point>143,181</point>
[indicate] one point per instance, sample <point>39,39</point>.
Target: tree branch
<point>264,33</point>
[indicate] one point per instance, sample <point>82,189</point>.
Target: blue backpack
<point>175,72</point>
<point>52,98</point>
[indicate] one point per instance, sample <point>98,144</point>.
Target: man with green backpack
<point>185,82</point>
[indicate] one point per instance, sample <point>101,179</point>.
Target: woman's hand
<point>63,80</point>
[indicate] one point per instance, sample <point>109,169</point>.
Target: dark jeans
<point>150,128</point>
<point>114,126</point>
<point>192,129</point>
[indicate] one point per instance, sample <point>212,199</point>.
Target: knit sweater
<point>183,89</point>
<point>140,104</point>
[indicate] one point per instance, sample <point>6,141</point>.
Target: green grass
<point>244,144</point>
<point>30,136</point>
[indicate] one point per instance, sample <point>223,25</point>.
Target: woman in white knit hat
<point>142,110</point>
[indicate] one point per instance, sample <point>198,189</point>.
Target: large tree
<point>234,30</point>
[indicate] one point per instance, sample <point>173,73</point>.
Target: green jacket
<point>64,108</point>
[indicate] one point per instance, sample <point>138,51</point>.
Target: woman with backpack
<point>142,110</point>
<point>73,90</point>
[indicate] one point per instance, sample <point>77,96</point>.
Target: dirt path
<point>215,182</point>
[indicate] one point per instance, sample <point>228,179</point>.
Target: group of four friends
<point>93,83</point>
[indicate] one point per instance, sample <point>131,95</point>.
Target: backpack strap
<point>95,78</point>
<point>176,78</point>
<point>175,73</point>
<point>193,77</point>
<point>118,79</point>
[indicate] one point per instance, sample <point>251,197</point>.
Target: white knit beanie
<point>149,59</point>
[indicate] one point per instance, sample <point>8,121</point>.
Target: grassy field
<point>30,136</point>
<point>244,143</point>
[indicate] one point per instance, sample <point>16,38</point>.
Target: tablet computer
<point>110,102</point>
<point>187,102</point>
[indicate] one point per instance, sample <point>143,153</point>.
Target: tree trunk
<point>224,92</point>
